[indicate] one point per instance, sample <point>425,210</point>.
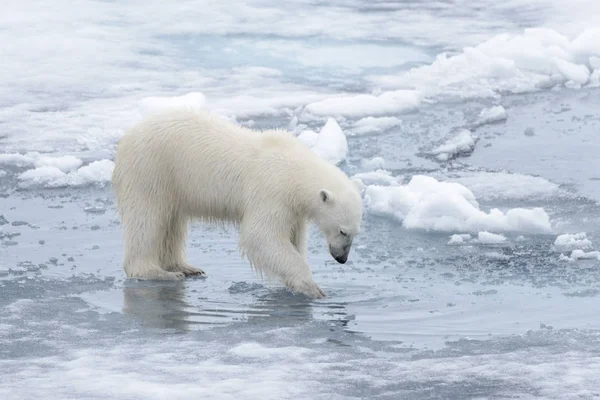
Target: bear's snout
<point>340,256</point>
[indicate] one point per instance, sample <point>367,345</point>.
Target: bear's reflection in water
<point>166,305</point>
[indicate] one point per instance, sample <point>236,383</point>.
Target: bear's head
<point>339,216</point>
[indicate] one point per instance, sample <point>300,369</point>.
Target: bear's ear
<point>358,183</point>
<point>326,195</point>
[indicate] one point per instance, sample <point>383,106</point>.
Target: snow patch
<point>372,125</point>
<point>425,203</point>
<point>64,163</point>
<point>97,172</point>
<point>461,144</point>
<point>367,105</point>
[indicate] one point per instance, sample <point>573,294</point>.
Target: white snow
<point>330,143</point>
<point>19,160</point>
<point>572,241</point>
<point>377,177</point>
<point>459,238</point>
<point>461,144</point>
<point>153,105</point>
<point>372,125</point>
<point>366,104</point>
<point>52,177</point>
<point>425,203</point>
<point>491,115</point>
<point>490,238</point>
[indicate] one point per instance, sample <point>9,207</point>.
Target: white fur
<point>190,164</point>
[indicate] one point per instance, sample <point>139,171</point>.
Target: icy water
<point>507,310</point>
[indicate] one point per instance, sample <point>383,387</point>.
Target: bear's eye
<point>343,233</point>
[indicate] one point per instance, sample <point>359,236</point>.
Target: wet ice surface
<point>415,313</point>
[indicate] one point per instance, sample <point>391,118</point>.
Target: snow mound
<point>372,125</point>
<point>425,203</point>
<point>491,115</point>
<point>377,177</point>
<point>572,241</point>
<point>330,143</point>
<point>461,144</point>
<point>536,59</point>
<point>490,238</point>
<point>97,172</point>
<point>363,105</point>
<point>153,105</point>
<point>504,185</point>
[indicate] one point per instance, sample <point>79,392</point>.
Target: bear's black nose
<point>342,259</point>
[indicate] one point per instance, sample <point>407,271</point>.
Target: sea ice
<point>491,115</point>
<point>572,241</point>
<point>153,105</point>
<point>52,177</point>
<point>425,203</point>
<point>490,238</point>
<point>362,105</point>
<point>377,177</point>
<point>461,144</point>
<point>372,125</point>
<point>330,143</point>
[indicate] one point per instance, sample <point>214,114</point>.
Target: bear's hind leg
<point>173,256</point>
<point>144,234</point>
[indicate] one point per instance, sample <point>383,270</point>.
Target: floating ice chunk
<point>309,138</point>
<point>461,144</point>
<point>459,238</point>
<point>537,58</point>
<point>572,241</point>
<point>373,163</point>
<point>53,177</point>
<point>574,72</point>
<point>594,62</point>
<point>378,177</point>
<point>371,125</point>
<point>331,143</point>
<point>367,104</point>
<point>496,185</point>
<point>579,254</point>
<point>491,115</point>
<point>153,105</point>
<point>2,173</point>
<point>595,78</point>
<point>64,163</point>
<point>19,160</point>
<point>490,238</point>
<point>425,203</point>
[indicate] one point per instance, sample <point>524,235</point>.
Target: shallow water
<point>409,316</point>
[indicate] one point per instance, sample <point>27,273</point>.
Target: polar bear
<point>184,164</point>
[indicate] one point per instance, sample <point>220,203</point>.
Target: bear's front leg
<point>278,257</point>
